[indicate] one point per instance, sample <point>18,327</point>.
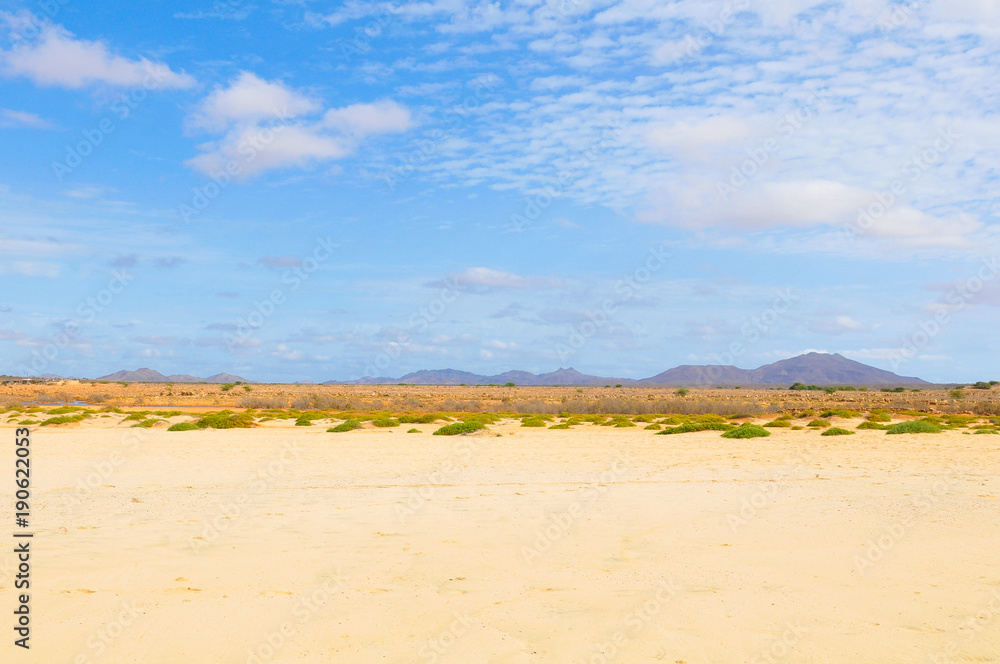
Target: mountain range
<point>811,369</point>
<point>151,376</point>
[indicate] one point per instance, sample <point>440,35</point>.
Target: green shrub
<point>413,431</point>
<point>653,426</point>
<point>819,423</point>
<point>868,424</point>
<point>778,423</point>
<point>303,421</point>
<point>797,428</point>
<point>226,419</point>
<point>137,415</point>
<point>183,426</point>
<point>426,418</point>
<point>146,424</point>
<point>914,426</point>
<point>683,392</point>
<point>956,394</point>
<point>63,419</point>
<point>879,416</point>
<point>385,422</point>
<point>346,425</point>
<point>747,431</point>
<point>62,410</point>
<point>559,426</point>
<point>29,421</point>
<point>991,431</point>
<point>460,428</point>
<point>837,431</point>
<point>841,412</point>
<point>533,422</point>
<point>689,427</point>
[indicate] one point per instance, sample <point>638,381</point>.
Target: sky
<point>304,191</point>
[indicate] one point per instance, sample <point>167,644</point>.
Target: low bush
<point>385,422</point>
<point>778,423</point>
<point>533,422</point>
<point>183,426</point>
<point>868,424</point>
<point>63,419</point>
<point>460,428</point>
<point>413,431</point>
<point>819,423</point>
<point>747,431</point>
<point>226,419</point>
<point>346,425</point>
<point>914,426</point>
<point>841,412</point>
<point>837,431</point>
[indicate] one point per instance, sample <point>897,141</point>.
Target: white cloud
<point>250,99</point>
<point>483,278</point>
<point>11,118</point>
<point>268,125</point>
<point>55,58</point>
<point>362,120</point>
<point>838,325</point>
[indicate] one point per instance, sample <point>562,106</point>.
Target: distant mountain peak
<point>814,368</point>
<point>147,375</point>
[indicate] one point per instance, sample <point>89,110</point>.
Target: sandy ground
<point>290,544</point>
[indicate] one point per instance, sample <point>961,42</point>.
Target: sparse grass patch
<point>841,413</point>
<point>226,419</point>
<point>868,424</point>
<point>62,410</point>
<point>183,426</point>
<point>346,425</point>
<point>532,422</point>
<point>914,426</point>
<point>385,422</point>
<point>690,427</point>
<point>426,418</point>
<point>559,426</point>
<point>63,419</point>
<point>837,431</point>
<point>461,428</point>
<point>747,431</point>
<point>413,431</point>
<point>988,431</point>
<point>879,416</point>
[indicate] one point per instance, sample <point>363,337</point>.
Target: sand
<point>595,544</point>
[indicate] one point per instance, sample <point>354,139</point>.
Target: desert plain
<point>511,544</point>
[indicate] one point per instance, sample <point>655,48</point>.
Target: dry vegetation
<point>403,398</point>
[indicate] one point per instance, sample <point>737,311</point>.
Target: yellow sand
<point>595,544</point>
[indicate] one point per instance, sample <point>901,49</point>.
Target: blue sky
<point>312,191</point>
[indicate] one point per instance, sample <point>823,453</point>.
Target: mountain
<point>456,377</point>
<point>150,376</point>
<point>826,369</point>
<point>811,369</point>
